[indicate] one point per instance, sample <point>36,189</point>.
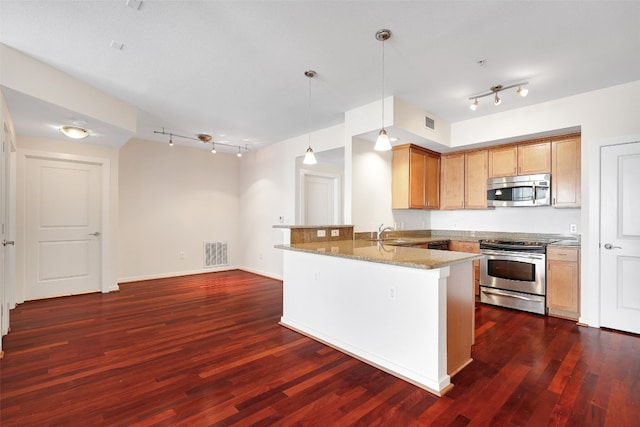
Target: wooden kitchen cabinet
<point>534,158</point>
<point>415,178</point>
<point>452,180</point>
<point>520,159</point>
<point>565,173</point>
<point>563,281</point>
<point>463,180</point>
<point>503,161</point>
<point>475,179</point>
<point>472,247</point>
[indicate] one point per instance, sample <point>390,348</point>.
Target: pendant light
<point>309,157</point>
<point>383,143</point>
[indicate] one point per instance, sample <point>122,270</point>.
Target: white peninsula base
<point>392,317</point>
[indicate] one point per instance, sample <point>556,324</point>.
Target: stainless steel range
<point>512,274</point>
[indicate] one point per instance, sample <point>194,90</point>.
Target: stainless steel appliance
<point>512,274</point>
<point>525,190</point>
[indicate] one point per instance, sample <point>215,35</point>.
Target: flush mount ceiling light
<point>74,132</point>
<point>382,142</point>
<point>494,90</point>
<point>204,138</point>
<point>309,157</point>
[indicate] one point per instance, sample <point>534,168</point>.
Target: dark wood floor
<point>208,350</point>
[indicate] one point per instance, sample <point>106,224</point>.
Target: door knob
<point>610,246</point>
<point>8,242</point>
<point>97,233</point>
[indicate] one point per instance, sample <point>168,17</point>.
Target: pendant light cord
<point>383,84</point>
<point>309,113</point>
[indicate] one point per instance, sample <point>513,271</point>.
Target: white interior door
<point>4,175</point>
<point>319,198</point>
<point>620,237</point>
<point>62,235</point>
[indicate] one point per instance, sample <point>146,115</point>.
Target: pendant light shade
<point>383,143</point>
<point>309,157</point>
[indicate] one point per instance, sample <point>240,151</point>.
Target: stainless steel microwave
<point>524,190</point>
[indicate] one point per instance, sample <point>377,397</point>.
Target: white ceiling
<point>235,69</point>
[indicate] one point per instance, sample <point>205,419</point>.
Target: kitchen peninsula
<point>405,310</point>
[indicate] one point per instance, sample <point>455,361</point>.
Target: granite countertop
<point>366,250</point>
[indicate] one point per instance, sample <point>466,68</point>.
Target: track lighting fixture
<point>382,142</point>
<point>309,157</point>
<point>494,90</point>
<point>204,138</point>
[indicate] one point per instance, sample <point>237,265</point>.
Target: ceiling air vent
<point>429,123</point>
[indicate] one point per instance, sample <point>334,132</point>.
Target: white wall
<point>267,191</point>
<point>371,186</point>
<point>172,199</point>
<point>542,219</point>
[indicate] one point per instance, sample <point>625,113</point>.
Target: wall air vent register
<point>216,254</point>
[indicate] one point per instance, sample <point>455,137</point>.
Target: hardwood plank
<point>208,350</point>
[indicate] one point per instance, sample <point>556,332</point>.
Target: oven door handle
<point>510,256</point>
<point>506,295</point>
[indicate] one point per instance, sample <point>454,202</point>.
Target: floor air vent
<point>216,254</point>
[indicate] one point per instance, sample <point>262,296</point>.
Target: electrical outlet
<point>181,255</point>
<point>335,233</point>
<point>322,233</point>
<point>573,228</point>
<point>393,293</point>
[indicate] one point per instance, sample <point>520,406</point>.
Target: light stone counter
<point>379,252</point>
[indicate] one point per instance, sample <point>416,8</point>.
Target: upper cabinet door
<point>503,161</point>
<point>565,173</point>
<point>534,158</point>
<point>452,181</point>
<point>476,167</point>
<point>417,180</point>
<point>432,181</point>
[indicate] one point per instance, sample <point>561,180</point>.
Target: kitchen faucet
<point>382,230</point>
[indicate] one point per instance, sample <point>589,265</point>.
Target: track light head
<point>522,91</point>
<point>474,105</point>
<point>497,100</point>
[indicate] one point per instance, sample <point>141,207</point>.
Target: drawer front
<point>458,246</point>
<point>562,254</point>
